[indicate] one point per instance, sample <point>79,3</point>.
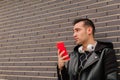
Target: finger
<point>66,60</point>
<point>61,53</point>
<point>65,56</point>
<point>58,52</point>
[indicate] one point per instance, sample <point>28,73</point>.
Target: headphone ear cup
<point>90,48</point>
<point>80,49</point>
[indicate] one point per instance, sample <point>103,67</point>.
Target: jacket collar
<point>92,59</point>
<point>100,45</point>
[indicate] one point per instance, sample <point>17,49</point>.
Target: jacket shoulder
<point>101,45</point>
<point>107,44</point>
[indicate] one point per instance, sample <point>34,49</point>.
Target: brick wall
<point>29,30</point>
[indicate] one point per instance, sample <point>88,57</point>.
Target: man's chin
<point>78,43</point>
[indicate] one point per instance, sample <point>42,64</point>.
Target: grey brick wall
<point>29,30</point>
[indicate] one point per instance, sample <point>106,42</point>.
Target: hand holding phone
<point>61,47</point>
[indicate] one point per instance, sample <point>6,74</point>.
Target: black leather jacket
<point>101,65</point>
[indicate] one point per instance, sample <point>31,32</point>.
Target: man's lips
<point>76,39</point>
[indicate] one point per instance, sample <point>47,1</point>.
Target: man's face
<point>80,33</point>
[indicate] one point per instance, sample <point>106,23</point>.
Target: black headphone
<point>90,48</point>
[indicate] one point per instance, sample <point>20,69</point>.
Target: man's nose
<point>74,34</point>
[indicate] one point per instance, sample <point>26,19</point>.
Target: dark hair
<point>86,22</point>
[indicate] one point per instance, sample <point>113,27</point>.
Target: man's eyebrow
<point>76,28</point>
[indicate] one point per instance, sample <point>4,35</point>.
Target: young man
<point>90,59</point>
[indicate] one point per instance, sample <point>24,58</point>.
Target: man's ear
<point>89,30</point>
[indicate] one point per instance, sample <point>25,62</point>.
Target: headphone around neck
<point>90,48</point>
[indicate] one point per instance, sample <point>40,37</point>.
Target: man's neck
<point>92,41</point>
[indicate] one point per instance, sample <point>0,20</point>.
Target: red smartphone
<point>61,47</point>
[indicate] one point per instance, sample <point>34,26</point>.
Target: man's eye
<point>77,30</point>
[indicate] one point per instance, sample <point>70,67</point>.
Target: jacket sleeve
<point>62,74</point>
<point>110,65</point>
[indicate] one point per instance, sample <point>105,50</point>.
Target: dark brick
<point>31,73</point>
<point>11,78</point>
<point>85,3</point>
<point>69,15</point>
<point>107,18</point>
<point>106,8</point>
<point>23,78</point>
<point>94,15</point>
<point>81,13</point>
<point>114,22</point>
<point>107,28</point>
<point>100,24</point>
<point>19,64</point>
<point>113,2</point>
